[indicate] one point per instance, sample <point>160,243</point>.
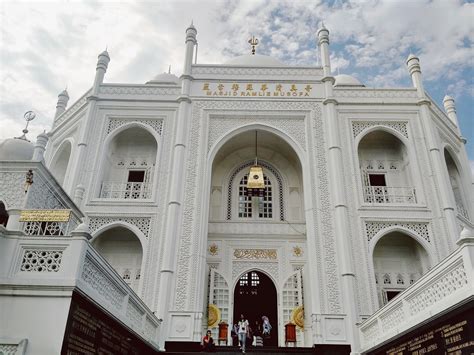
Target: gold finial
<point>253,42</point>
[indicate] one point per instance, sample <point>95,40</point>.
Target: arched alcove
<point>456,184</point>
<point>123,251</point>
<point>399,260</point>
<point>255,296</point>
<point>129,164</point>
<point>60,162</point>
<point>282,174</point>
<point>385,169</point>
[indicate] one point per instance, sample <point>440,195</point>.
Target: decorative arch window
<point>249,207</point>
<point>269,206</point>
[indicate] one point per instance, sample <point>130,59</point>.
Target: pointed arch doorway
<point>255,296</point>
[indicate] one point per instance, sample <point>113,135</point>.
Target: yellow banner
<point>45,215</point>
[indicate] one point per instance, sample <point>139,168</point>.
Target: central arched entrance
<point>255,296</point>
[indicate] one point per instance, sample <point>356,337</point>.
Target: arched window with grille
<point>255,207</point>
<point>268,206</point>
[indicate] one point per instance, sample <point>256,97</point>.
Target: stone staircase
<point>232,350</point>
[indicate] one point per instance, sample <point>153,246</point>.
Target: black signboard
<point>89,330</point>
<point>452,334</point>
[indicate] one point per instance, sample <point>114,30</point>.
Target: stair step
<point>231,350</point>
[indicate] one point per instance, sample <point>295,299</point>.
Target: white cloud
<point>45,46</point>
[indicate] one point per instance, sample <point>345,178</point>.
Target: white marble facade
<point>370,188</point>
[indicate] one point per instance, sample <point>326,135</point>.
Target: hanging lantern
<point>255,182</point>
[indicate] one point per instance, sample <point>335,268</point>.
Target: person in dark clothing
<point>208,342</point>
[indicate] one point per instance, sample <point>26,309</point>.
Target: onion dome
<point>346,80</point>
<point>16,149</point>
<point>165,79</point>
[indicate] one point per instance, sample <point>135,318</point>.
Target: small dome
<point>255,60</point>
<point>16,149</point>
<point>165,78</point>
<point>346,80</point>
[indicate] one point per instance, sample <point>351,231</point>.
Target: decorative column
<point>77,171</point>
<point>450,108</point>
<point>63,99</point>
<point>40,147</point>
<point>336,178</point>
<point>437,159</point>
<point>176,187</point>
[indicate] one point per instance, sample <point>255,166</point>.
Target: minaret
<point>102,65</point>
<point>176,187</point>
<point>439,169</point>
<point>40,147</point>
<point>63,99</point>
<point>338,200</point>
<point>77,171</point>
<point>450,109</point>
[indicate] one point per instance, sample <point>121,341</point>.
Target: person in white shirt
<point>243,332</point>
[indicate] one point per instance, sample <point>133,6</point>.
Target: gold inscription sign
<point>255,253</point>
<point>45,215</point>
<point>257,89</point>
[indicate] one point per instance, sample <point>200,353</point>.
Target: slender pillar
<point>450,108</point>
<point>174,215</point>
<point>336,178</point>
<point>78,171</point>
<point>63,99</point>
<point>436,157</point>
<point>40,147</point>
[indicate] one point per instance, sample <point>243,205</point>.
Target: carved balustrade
<point>389,194</point>
<point>449,283</point>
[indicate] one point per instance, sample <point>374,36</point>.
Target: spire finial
<point>28,116</point>
<point>254,43</point>
<point>169,69</point>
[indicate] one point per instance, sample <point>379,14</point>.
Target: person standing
<point>243,332</point>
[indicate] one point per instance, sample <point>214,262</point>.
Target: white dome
<point>255,60</point>
<point>346,80</point>
<point>165,78</point>
<point>16,149</point>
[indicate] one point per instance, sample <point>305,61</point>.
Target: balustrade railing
<point>127,190</point>
<point>388,194</point>
<point>46,228</point>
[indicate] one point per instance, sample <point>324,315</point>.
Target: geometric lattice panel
<point>156,125</point>
<point>419,228</point>
<point>359,126</point>
<point>142,223</point>
<point>41,260</point>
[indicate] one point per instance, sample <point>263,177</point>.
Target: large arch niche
<point>385,169</point>
<point>456,184</point>
<point>129,165</point>
<point>61,161</point>
<point>399,260</point>
<point>123,251</point>
<point>281,164</point>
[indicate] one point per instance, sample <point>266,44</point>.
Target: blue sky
<point>46,46</point>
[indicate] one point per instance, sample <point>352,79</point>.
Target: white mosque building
<point>364,191</point>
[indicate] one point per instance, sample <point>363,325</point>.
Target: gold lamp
<point>255,182</point>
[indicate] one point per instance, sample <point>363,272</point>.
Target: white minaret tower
<point>339,203</point>
<point>40,147</point>
<point>437,159</point>
<point>174,214</point>
<point>63,99</point>
<point>450,109</point>
<point>101,69</point>
<point>77,172</point>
